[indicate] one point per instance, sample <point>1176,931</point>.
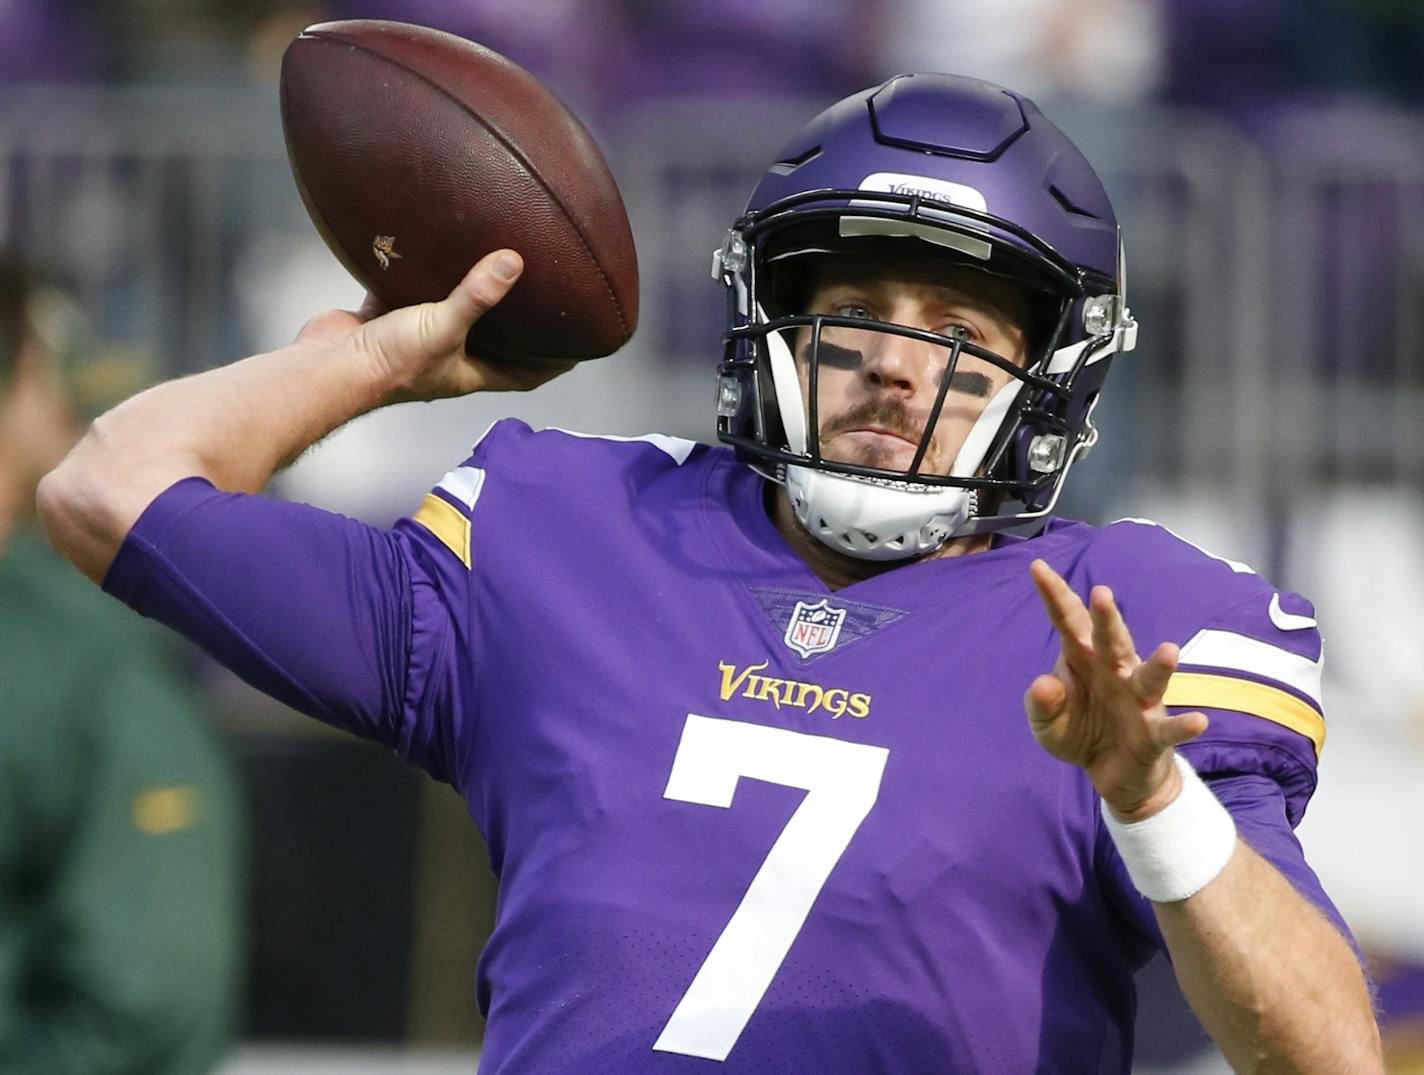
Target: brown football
<point>417,152</point>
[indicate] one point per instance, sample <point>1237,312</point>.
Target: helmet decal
<point>940,190</point>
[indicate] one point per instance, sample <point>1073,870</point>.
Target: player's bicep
<point>320,611</point>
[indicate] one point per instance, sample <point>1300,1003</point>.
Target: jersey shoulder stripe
<point>447,524</point>
<point>1246,646</point>
<point>530,467</point>
<point>440,512</point>
<point>1293,700</point>
<point>1206,690</point>
<point>1222,649</point>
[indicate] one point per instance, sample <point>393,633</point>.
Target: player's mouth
<point>873,446</point>
<point>882,433</point>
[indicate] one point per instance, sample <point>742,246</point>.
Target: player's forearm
<point>235,425</point>
<point>238,424</point>
<point>1270,977</point>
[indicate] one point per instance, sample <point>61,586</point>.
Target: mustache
<point>884,413</point>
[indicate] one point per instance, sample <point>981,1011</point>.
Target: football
<point>417,152</point>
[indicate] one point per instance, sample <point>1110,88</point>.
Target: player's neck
<point>835,569</point>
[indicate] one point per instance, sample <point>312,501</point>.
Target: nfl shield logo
<point>814,628</point>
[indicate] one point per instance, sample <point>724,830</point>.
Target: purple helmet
<point>943,167</point>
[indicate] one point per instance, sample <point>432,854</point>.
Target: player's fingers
<point>1177,728</point>
<point>371,308</point>
<point>487,283</point>
<point>1045,699</point>
<point>1150,678</point>
<point>1111,639</point>
<point>446,323</point>
<point>1065,610</point>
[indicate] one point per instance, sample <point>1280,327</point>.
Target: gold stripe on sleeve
<point>446,522</point>
<point>1195,690</point>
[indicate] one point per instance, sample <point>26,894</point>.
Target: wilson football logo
<point>814,628</point>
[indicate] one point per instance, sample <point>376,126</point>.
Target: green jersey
<point>120,907</point>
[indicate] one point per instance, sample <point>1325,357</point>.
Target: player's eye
<point>856,310</point>
<point>959,330</point>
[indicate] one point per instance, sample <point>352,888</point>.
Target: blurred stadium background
<point>1267,160</point>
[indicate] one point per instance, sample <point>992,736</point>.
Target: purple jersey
<point>735,816</point>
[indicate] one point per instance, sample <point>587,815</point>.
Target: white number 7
<point>842,781</point>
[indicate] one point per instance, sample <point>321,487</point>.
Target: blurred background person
<point>120,860</point>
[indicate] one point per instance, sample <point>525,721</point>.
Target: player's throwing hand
<point>1101,706</point>
<point>419,351</point>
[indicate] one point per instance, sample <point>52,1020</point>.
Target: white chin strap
<point>871,521</point>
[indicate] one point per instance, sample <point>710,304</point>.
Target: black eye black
<point>971,383</point>
<point>834,357</point>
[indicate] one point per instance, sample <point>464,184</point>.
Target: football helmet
<point>943,167</point>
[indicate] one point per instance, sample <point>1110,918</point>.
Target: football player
<point>744,729</point>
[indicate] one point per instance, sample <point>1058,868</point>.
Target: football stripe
<point>447,523</point>
<point>464,484</point>
<point>1227,649</point>
<point>1201,690</point>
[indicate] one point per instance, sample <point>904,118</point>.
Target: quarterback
<point>744,726</point>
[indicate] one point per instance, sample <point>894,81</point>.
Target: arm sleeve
<point>339,620</point>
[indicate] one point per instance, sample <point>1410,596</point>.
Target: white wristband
<point>1174,853</point>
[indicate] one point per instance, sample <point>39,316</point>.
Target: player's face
<point>875,390</point>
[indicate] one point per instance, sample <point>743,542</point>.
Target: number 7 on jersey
<point>842,781</point>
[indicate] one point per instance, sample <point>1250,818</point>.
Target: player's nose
<point>903,365</point>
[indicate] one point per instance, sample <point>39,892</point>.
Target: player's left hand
<point>1101,706</point>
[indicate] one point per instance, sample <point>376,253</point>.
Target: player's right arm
<point>238,424</point>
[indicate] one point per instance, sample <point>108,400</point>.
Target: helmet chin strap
<point>870,521</point>
<point>876,519</point>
